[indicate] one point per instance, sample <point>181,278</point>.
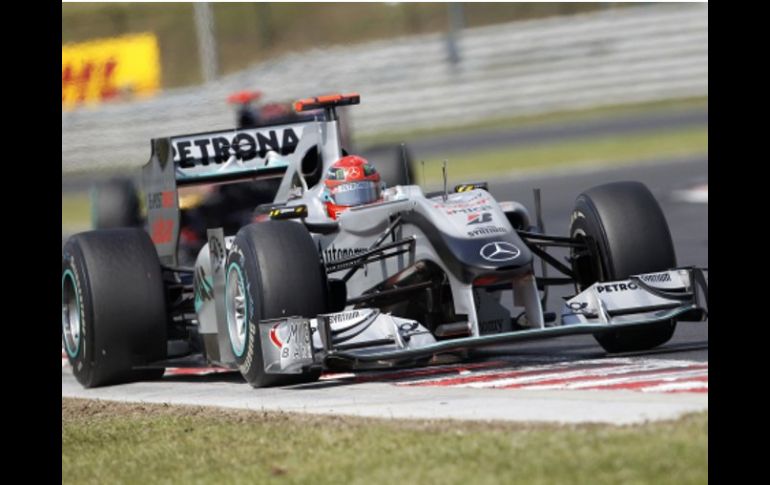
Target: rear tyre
<point>115,204</point>
<point>113,306</point>
<point>273,270</point>
<point>632,236</point>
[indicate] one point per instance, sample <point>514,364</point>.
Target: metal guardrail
<point>646,53</point>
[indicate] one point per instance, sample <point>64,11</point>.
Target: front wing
<point>366,338</point>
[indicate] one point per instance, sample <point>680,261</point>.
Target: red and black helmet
<point>351,181</point>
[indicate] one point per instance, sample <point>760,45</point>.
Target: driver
<point>350,181</point>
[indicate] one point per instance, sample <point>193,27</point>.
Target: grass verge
<point>75,211</point>
<point>529,121</point>
<point>609,150</point>
<point>106,442</point>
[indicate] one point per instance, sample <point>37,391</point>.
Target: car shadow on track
<point>668,349</point>
<point>488,360</point>
<point>228,377</point>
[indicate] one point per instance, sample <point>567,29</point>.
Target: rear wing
<point>268,151</point>
<point>327,103</point>
<point>223,156</point>
<point>247,153</point>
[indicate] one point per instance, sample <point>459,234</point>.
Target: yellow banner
<point>108,69</point>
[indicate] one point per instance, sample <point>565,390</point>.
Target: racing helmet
<point>351,181</point>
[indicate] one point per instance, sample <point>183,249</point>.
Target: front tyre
<point>273,270</point>
<point>632,236</point>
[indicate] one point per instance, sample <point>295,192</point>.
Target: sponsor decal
<point>160,200</point>
<point>167,198</point>
<point>245,145</point>
<point>578,306</point>
<point>343,317</point>
<point>486,231</point>
<point>616,287</point>
<point>408,329</point>
<point>479,218</point>
<point>656,278</point>
<point>274,336</point>
<point>297,344</point>
<point>351,186</point>
<point>354,172</point>
<point>467,210</point>
<point>335,174</point>
<point>162,231</point>
<point>581,307</point>
<point>462,201</point>
<point>108,69</point>
<point>499,251</point>
<point>491,326</point>
<point>334,254</point>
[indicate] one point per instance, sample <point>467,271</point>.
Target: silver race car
<point>410,279</point>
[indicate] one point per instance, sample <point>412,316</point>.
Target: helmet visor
<point>356,193</point>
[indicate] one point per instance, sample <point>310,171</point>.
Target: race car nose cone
<point>500,258</point>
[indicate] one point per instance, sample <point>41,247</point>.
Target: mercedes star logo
<point>499,251</point>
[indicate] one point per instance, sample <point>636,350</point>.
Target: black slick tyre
<point>273,270</point>
<point>113,306</point>
<point>632,237</point>
<point>115,204</point>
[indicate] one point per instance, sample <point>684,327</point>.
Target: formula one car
<point>405,280</point>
